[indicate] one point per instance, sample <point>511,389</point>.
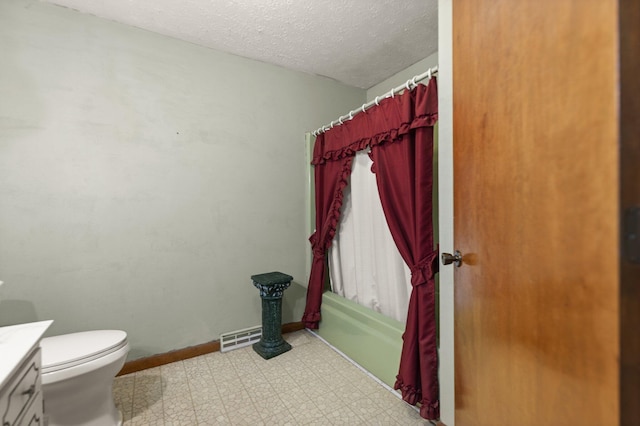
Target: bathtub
<point>371,339</point>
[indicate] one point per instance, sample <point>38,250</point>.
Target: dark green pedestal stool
<point>271,285</point>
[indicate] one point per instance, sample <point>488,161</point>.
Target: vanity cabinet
<point>20,374</point>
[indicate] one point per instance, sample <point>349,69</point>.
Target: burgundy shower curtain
<point>331,177</point>
<point>399,133</point>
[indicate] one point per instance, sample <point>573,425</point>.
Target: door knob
<point>455,258</point>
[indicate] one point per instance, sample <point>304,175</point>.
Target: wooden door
<point>537,184</point>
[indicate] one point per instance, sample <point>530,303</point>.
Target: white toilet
<point>77,377</point>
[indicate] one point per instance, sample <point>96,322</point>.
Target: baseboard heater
<point>240,338</point>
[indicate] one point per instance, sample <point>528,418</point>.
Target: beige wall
<point>401,77</point>
<point>143,179</point>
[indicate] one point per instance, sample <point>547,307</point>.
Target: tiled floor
<point>311,384</point>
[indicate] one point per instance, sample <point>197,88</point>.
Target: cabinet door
<point>22,391</point>
<point>34,416</point>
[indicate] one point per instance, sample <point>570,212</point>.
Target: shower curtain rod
<point>390,94</point>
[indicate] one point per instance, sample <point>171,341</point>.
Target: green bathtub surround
<point>272,286</point>
<point>369,338</point>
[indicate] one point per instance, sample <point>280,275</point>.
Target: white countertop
<point>16,342</point>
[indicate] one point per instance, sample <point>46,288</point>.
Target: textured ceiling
<point>357,42</point>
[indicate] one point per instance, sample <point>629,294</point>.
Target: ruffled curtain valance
<point>387,122</point>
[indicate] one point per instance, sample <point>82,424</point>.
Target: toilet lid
<point>68,350</point>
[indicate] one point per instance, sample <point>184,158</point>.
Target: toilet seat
<point>70,350</point>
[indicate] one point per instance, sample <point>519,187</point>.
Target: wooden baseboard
<point>291,327</point>
<point>186,353</point>
<point>169,357</point>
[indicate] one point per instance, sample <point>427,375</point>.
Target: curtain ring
<point>407,85</point>
<point>331,124</point>
<point>429,74</point>
<point>350,115</point>
<point>392,93</point>
<point>340,120</point>
<point>413,81</point>
<point>363,107</point>
<point>376,101</point>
